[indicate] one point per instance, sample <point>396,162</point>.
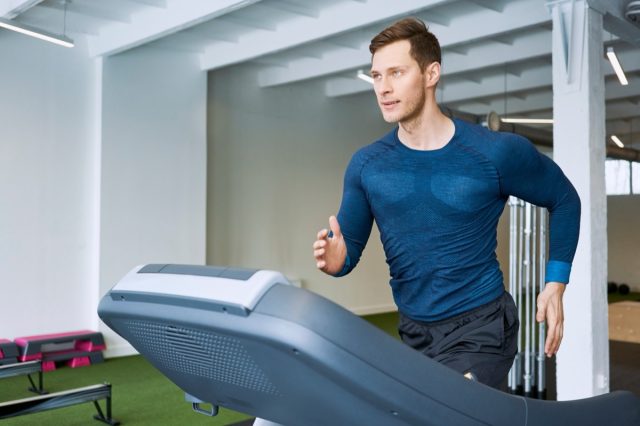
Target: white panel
<point>245,293</point>
<point>153,163</point>
<point>48,155</point>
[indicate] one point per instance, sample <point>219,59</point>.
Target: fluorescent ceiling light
<point>617,141</point>
<point>36,32</point>
<point>364,76</point>
<point>616,66</point>
<point>528,120</point>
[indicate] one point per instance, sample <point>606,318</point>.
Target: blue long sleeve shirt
<point>438,211</point>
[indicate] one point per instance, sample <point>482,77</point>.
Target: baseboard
<point>375,309</point>
<point>116,351</point>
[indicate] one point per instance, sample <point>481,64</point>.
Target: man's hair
<point>425,47</point>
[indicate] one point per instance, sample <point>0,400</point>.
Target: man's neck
<point>428,131</point>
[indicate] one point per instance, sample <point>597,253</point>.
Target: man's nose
<point>382,86</point>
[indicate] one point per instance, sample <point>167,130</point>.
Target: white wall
<point>276,163</point>
<point>153,165</point>
<point>49,117</point>
<point>102,167</point>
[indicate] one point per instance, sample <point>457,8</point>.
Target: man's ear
<point>432,73</point>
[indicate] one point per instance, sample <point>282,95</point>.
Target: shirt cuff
<point>557,271</point>
<point>346,268</point>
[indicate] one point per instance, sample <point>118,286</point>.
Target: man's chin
<point>390,118</point>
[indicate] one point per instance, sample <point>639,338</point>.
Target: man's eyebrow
<point>390,69</point>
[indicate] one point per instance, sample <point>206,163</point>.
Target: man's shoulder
<point>478,134</point>
<point>488,142</point>
<point>376,148</point>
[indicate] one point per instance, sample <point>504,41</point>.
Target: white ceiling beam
<point>250,23</point>
<point>9,9</point>
<point>332,20</point>
<point>481,57</point>
<point>95,11</point>
<point>623,108</point>
<point>623,125</point>
<point>214,33</point>
<point>542,100</point>
<point>531,79</point>
<point>152,24</point>
<point>525,79</point>
<point>437,18</point>
<point>497,6</point>
<point>155,3</point>
<point>295,8</point>
<point>614,21</point>
<point>521,14</point>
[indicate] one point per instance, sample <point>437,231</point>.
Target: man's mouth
<point>389,104</point>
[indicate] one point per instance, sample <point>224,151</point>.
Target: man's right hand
<point>330,252</point>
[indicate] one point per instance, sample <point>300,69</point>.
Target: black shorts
<point>482,342</point>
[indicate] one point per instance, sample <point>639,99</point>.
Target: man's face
<point>399,83</point>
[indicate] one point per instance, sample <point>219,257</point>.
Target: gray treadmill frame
<point>300,359</point>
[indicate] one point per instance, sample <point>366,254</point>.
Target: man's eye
<point>397,73</point>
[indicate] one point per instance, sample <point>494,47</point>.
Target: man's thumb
<point>541,314</point>
<point>335,227</point>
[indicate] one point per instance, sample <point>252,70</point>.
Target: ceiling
<point>496,53</point>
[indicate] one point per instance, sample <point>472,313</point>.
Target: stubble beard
<point>414,109</point>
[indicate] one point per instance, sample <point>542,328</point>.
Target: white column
<point>579,148</point>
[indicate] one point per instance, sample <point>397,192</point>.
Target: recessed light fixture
<point>617,141</point>
<point>528,120</point>
<point>36,32</point>
<point>364,76</point>
<point>611,54</point>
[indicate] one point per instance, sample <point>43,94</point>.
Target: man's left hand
<point>550,309</point>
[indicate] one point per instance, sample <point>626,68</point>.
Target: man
<point>436,188</point>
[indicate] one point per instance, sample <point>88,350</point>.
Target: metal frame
<point>527,260</point>
<point>62,399</point>
<point>29,367</point>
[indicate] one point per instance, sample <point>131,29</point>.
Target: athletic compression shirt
<point>438,210</point>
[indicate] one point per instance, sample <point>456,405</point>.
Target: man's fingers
<point>319,244</point>
<point>549,344</point>
<point>318,253</point>
<point>321,264</point>
<point>553,343</point>
<point>322,234</point>
<point>554,337</point>
<point>540,315</point>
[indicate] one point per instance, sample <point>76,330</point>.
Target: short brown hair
<point>425,47</point>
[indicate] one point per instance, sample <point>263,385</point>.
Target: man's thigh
<point>481,343</point>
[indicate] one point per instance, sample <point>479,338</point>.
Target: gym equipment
<point>612,287</point>
<point>527,259</point>
<point>78,348</point>
<point>623,289</point>
<point>8,352</point>
<point>66,398</point>
<point>249,341</point>
<point>27,368</point>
